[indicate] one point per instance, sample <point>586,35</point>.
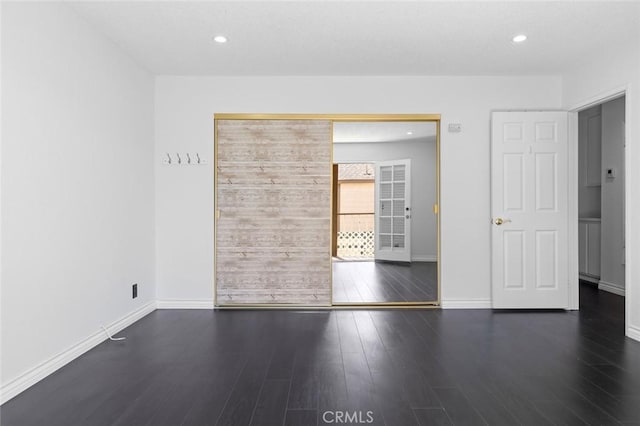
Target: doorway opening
<point>601,195</point>
<point>385,222</point>
<point>353,212</point>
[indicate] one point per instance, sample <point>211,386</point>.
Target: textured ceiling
<point>363,38</point>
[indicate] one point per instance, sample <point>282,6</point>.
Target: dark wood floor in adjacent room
<point>376,282</point>
<point>408,367</point>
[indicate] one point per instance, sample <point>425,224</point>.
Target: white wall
<point>423,184</point>
<point>600,75</point>
<point>77,184</point>
<point>184,195</point>
<point>612,240</point>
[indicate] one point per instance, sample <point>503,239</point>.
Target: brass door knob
<point>499,221</point>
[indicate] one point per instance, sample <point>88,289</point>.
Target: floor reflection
<point>377,282</point>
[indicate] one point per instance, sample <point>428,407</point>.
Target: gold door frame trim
<point>333,118</point>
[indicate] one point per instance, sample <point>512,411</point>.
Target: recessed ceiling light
<point>409,132</point>
<point>220,39</point>
<point>519,38</point>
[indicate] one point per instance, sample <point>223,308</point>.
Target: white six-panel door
<point>393,211</point>
<point>529,210</point>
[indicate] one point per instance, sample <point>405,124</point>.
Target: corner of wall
<point>633,332</point>
<point>75,80</point>
<point>32,376</point>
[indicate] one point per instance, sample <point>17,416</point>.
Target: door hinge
<point>435,209</point>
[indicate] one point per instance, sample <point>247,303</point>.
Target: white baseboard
<point>590,278</point>
<point>633,332</point>
<point>611,288</point>
<point>424,258</point>
<point>185,304</point>
<point>466,303</point>
<point>39,372</point>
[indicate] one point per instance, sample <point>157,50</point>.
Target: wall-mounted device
<point>611,173</point>
<point>455,127</point>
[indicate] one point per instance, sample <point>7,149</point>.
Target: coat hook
<point>168,158</point>
<point>179,159</point>
<point>188,158</point>
<point>198,157</point>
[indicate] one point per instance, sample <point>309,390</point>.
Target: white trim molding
<point>590,278</point>
<point>466,303</point>
<point>602,97</point>
<point>39,372</point>
<point>424,258</point>
<point>633,333</point>
<point>573,284</point>
<point>185,304</point>
<point>611,288</point>
<point>597,99</point>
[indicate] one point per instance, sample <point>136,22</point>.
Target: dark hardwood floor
<point>407,367</point>
<point>375,282</point>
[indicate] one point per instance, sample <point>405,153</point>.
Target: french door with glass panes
<point>393,211</point>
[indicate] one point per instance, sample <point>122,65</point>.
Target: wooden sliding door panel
<point>274,203</point>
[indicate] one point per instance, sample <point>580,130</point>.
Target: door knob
<point>499,221</point>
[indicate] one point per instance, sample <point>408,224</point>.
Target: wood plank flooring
<point>376,282</point>
<point>406,367</point>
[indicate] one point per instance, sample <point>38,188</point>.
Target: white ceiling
<point>351,132</point>
<point>363,37</point>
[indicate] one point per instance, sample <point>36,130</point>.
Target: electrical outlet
<point>134,291</point>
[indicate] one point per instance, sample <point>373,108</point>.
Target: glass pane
<point>398,190</point>
<point>385,208</point>
<point>385,174</point>
<point>385,190</point>
<point>398,241</point>
<point>399,172</point>
<point>385,225</point>
<point>398,225</point>
<point>398,207</point>
<point>385,241</point>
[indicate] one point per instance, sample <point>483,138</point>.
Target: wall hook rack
<point>183,159</point>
